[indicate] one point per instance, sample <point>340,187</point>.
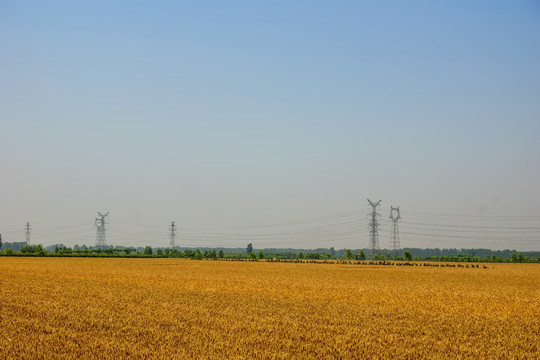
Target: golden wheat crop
<point>174,308</point>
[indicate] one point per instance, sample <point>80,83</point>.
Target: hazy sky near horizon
<point>226,117</point>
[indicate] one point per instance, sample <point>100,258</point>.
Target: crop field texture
<point>174,308</point>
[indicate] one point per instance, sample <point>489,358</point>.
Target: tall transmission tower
<point>373,229</point>
<point>100,230</point>
<point>27,232</point>
<point>394,237</point>
<point>173,234</point>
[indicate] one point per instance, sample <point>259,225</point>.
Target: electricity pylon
<point>373,230</point>
<point>27,232</point>
<point>100,230</point>
<point>394,237</point>
<point>173,234</point>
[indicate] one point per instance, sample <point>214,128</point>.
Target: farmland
<point>178,308</point>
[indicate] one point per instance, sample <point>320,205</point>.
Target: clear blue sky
<point>225,116</point>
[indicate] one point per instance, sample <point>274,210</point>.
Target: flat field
<point>176,308</point>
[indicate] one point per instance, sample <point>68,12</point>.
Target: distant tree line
<point>407,254</point>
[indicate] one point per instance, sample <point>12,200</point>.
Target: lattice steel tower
<point>173,234</point>
<point>394,237</point>
<point>27,232</point>
<point>100,230</point>
<point>373,229</point>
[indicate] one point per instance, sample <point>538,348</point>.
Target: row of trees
<point>250,253</point>
<point>60,250</point>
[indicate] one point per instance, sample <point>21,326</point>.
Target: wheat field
<point>76,308</point>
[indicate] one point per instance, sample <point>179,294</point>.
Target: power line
<point>521,239</point>
<point>297,222</point>
<point>508,217</point>
<point>466,231</point>
<point>283,232</point>
<point>476,227</point>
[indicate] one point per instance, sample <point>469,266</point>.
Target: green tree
<point>407,255</point>
<point>0,241</point>
<point>159,252</point>
<point>249,248</point>
<point>221,254</point>
<point>28,249</point>
<point>253,255</point>
<point>348,254</point>
<point>39,250</point>
<point>361,255</point>
<point>260,255</point>
<point>332,252</point>
<point>148,250</point>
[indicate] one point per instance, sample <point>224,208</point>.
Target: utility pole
<point>394,237</point>
<point>100,230</point>
<point>373,230</point>
<point>173,234</point>
<point>27,232</point>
